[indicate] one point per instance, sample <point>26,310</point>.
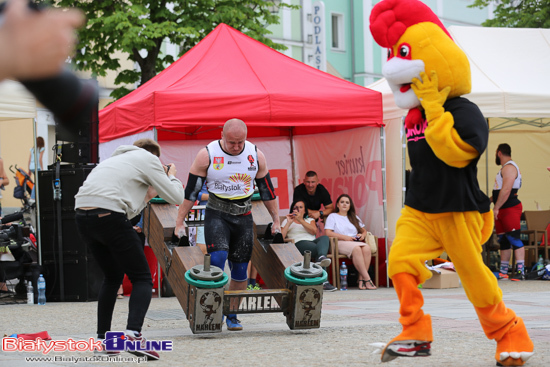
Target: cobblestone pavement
<point>351,320</point>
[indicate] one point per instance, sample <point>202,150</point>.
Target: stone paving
<point>351,320</point>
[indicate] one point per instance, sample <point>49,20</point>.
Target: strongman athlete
<point>230,166</point>
<point>507,213</point>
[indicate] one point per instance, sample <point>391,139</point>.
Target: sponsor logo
<point>233,162</point>
<point>243,180</point>
<point>251,161</point>
<point>218,163</point>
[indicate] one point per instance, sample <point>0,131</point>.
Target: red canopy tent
<point>229,74</point>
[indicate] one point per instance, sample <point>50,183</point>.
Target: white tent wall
<point>107,148</point>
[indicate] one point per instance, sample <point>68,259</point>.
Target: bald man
<point>230,167</point>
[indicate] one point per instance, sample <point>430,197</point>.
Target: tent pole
<point>487,166</point>
<point>37,195</point>
<point>403,161</point>
<point>159,288</point>
<point>292,159</point>
<point>384,196</point>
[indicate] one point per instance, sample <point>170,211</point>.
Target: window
<point>337,31</point>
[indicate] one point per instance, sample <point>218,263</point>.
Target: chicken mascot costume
<point>445,210</point>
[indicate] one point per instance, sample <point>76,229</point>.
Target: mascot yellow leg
<point>514,347</point>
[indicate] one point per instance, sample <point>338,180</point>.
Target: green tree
<point>517,13</point>
<point>139,27</point>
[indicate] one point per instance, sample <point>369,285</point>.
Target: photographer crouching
<point>115,191</point>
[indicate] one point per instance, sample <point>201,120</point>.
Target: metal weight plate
<point>298,270</point>
<point>209,273</point>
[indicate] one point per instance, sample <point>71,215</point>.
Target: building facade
<point>334,35</point>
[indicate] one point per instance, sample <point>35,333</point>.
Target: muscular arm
<point>199,168</point>
<point>271,205</point>
<point>509,174</point>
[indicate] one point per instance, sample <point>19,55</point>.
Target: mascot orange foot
<point>514,347</point>
<point>416,337</point>
<point>412,342</point>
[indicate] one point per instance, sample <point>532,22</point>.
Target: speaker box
<point>82,143</point>
<point>71,176</point>
<point>82,277</point>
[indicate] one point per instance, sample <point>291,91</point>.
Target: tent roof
<point>15,101</point>
<point>510,73</point>
<point>229,74</point>
<point>510,69</point>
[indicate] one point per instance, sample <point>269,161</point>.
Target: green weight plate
<point>305,281</point>
<point>206,284</point>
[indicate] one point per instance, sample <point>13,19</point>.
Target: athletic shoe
<point>150,354</point>
<point>254,287</point>
<point>233,324</point>
<point>327,287</point>
<point>502,276</point>
<point>413,348</point>
<point>519,276</point>
<point>323,261</point>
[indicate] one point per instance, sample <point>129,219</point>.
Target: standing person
<point>40,166</point>
<point>507,211</point>
<point>298,226</point>
<point>445,209</point>
<point>230,166</point>
<point>116,191</point>
<point>345,225</point>
<point>314,195</point>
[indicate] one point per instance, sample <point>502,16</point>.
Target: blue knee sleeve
<point>238,271</point>
<point>217,258</point>
<point>516,242</point>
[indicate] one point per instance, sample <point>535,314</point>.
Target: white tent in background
<point>510,83</point>
<point>15,101</point>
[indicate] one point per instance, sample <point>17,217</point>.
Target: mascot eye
<point>390,53</point>
<point>405,51</point>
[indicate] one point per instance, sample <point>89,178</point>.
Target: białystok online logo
<point>117,341</point>
<point>114,341</point>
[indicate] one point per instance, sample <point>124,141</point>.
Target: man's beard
<point>497,160</point>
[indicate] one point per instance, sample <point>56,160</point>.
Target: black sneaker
<point>327,287</point>
<point>519,276</point>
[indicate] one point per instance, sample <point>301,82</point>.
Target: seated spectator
<point>298,226</point>
<point>314,195</point>
<point>350,231</point>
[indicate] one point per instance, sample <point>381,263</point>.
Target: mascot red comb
<point>445,210</point>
